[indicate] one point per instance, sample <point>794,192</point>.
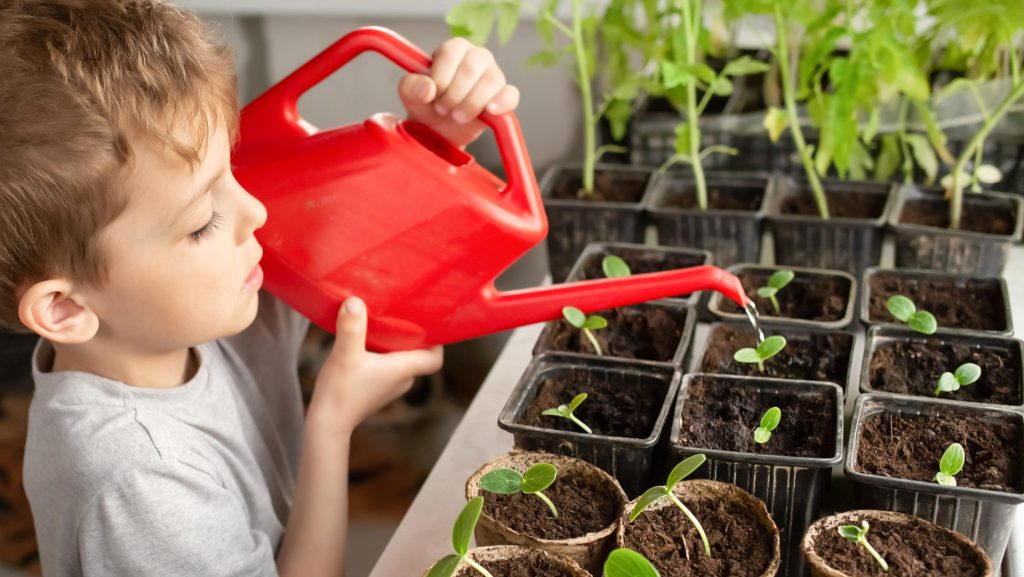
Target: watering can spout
<point>500,310</point>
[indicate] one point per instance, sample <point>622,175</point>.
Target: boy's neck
<point>163,370</point>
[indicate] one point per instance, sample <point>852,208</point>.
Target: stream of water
<point>751,311</point>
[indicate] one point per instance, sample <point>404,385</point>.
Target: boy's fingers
<point>471,69</point>
<point>350,327</point>
<point>446,61</point>
<point>506,101</point>
<point>419,362</point>
<point>484,92</point>
<point>416,92</point>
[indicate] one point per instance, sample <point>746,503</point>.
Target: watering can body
<point>390,211</point>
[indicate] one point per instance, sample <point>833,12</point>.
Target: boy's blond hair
<point>79,81</point>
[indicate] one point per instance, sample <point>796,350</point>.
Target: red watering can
<point>390,211</point>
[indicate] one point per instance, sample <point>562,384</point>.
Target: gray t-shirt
<point>188,481</point>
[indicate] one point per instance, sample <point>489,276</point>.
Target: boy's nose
<point>252,215</point>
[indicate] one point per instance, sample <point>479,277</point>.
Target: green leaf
<point>956,85</point>
<point>614,267</point>
<point>577,401</point>
<point>746,355</point>
<point>745,65</point>
<point>575,316</point>
<point>767,292</point>
<point>502,482</point>
<point>561,411</point>
<point>988,174</point>
<point>771,346</point>
<point>944,479</point>
<point>780,279</point>
<point>542,59</point>
<point>721,86</point>
<point>465,524</point>
<point>775,122</point>
<point>508,20</point>
<point>673,75</point>
<point>923,322</point>
<point>618,115</point>
<point>871,128</point>
<point>967,373</point>
<point>539,477</point>
<point>473,20</point>
<point>684,469</point>
<point>628,563</point>
<point>901,307</point>
<point>646,500</point>
<point>595,322</point>
<point>762,436</point>
<point>888,158</point>
<point>924,154</point>
<point>445,567</point>
<point>851,532</point>
<point>771,418</point>
<point>948,383</point>
<point>952,461</point>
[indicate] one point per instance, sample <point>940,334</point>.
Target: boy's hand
<point>354,383</point>
<point>463,82</point>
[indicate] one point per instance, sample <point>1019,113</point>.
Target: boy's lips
<point>255,278</point>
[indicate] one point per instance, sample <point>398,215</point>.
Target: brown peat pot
<point>613,213</point>
<point>588,501</point>
<point>744,539</point>
<point>911,546</point>
<point>506,560</point>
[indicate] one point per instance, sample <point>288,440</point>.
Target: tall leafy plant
<point>572,43</point>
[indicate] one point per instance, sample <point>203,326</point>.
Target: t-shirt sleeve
<point>170,519</point>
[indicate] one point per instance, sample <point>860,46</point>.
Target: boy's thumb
<point>417,91</point>
<point>350,327</point>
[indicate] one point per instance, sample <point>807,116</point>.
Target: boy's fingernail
<point>441,109</point>
<point>459,116</point>
<point>424,90</point>
<point>354,305</point>
<point>492,107</point>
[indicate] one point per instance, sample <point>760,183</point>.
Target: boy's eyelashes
<point>207,230</point>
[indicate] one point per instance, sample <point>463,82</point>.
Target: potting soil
<point>961,304</point>
<point>641,332</point>
<point>984,219</point>
<point>614,409</point>
<point>813,357</point>
<point>808,297</point>
<point>910,551</point>
<point>584,506</point>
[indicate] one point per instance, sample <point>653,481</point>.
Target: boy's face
<point>182,256</point>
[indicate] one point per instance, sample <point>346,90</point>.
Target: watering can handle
<point>279,105</point>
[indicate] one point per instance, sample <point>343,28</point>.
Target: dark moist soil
<point>910,447</point>
<point>719,198</point>
<point>740,547</point>
<point>809,297</point>
<point>811,357</point>
<point>642,262</point>
<point>914,368</point>
<point>960,303</point>
<point>845,204</point>
<point>615,409</point>
<point>584,506</point>
<point>649,333</point>
<point>985,219</point>
<point>722,415</point>
<point>523,567</point>
<point>910,551</point>
<point>609,186</point>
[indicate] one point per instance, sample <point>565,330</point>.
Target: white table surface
<point>424,535</point>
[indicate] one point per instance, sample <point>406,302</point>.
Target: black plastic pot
<point>994,288</point>
<point>983,516</point>
<point>629,460</point>
<point>682,315</point>
<point>731,236</point>
<point>847,244</point>
<point>793,335</point>
<point>1009,351</point>
<point>953,251</point>
<point>804,276</point>
<point>641,259</point>
<point>575,223</point>
<point>793,488</point>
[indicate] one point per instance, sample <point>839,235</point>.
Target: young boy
<point>166,426</point>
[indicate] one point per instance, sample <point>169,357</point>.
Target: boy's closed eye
<point>207,229</point>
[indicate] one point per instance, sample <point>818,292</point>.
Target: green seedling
<point>585,323</point>
<point>951,463</point>
<point>566,412</point>
<point>532,482</point>
<point>776,282</point>
<point>855,534</point>
<point>614,267</point>
<point>965,374</point>
<point>906,311</point>
<point>624,562</point>
<point>767,349</point>
<point>769,421</point>
<point>461,534</point>
<point>681,471</point>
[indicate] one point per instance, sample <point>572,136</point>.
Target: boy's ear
<point>52,310</point>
